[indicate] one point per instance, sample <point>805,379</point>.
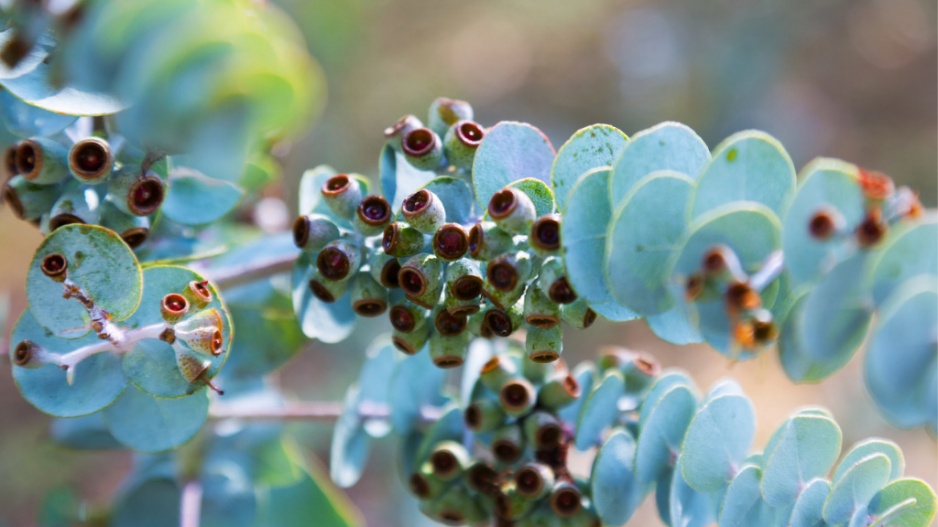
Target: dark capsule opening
<point>476,238</point>
<point>470,134</point>
<point>714,261</point>
<point>503,275</point>
<point>175,303</point>
<point>444,463</point>
<point>506,451</point>
<point>566,502</point>
<point>146,195</point>
<point>694,287</point>
<point>452,517</point>
<point>502,203</point>
<point>821,226</point>
<point>418,142</point>
<point>451,361</point>
<point>89,158</point>
<point>301,231</point>
<point>320,291</point>
<point>561,292</point>
<point>449,325</point>
<point>543,357</point>
<point>481,478</point>
<point>515,395</point>
<point>467,287</point>
<point>528,481</point>
<point>23,353</point>
<point>542,321</point>
<point>871,230</point>
<point>419,486</point>
<point>13,200</point>
<point>9,160</point>
<point>740,296</point>
<point>402,319</point>
<point>134,237</point>
<point>201,290</point>
<point>548,435</point>
<point>217,341</point>
<point>333,263</point>
<point>54,265</point>
<point>374,210</point>
<point>647,365</point>
<point>498,322</point>
<point>336,185</point>
<point>412,281</point>
<point>28,158</point>
<point>417,202</point>
<point>450,241</point>
<point>370,307</point>
<point>390,237</point>
<point>403,345</point>
<point>546,233</point>
<point>389,274</point>
<point>765,332</point>
<point>473,416</point>
<point>61,220</point>
<point>571,386</point>
<point>406,123</point>
<point>589,318</point>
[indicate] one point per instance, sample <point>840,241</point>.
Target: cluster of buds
<point>194,330</point>
<point>442,281</point>
<point>52,181</point>
<point>513,468</point>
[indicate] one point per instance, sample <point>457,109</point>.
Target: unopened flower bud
<point>193,367</point>
<point>202,332</point>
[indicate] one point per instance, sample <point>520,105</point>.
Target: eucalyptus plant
<point>155,317</point>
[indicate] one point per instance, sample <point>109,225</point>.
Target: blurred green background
<point>854,79</point>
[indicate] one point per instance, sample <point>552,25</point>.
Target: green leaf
<point>910,250</point>
<point>600,410</point>
<point>350,443</point>
<point>327,322</point>
<point>645,231</point>
<point>717,442</point>
<point>747,166</point>
<point>35,88</point>
<point>509,152</point>
<point>149,424</point>
<point>903,503</point>
<point>98,379</point>
<point>196,199</point>
<point>541,194</point>
<point>866,448</point>
<point>583,243</point>
<point>856,487</point>
<point>36,56</point>
<point>803,448</point>
<point>151,364</point>
<point>592,147</point>
<point>100,263</point>
<point>374,380</point>
<point>456,197</point>
<point>23,120</point>
<point>902,383</point>
<point>615,491</point>
<point>743,505</point>
<point>826,185</point>
<point>416,383</point>
<point>807,511</point>
<point>663,427</point>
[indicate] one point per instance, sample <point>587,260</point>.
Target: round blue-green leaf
<point>374,381</point>
<point>856,487</point>
<point>328,322</point>
<point>837,313</point>
<point>717,442</point>
<point>747,166</point>
<point>228,498</point>
<point>196,199</point>
<point>663,428</point>
<point>901,355</point>
<point>98,379</point>
<point>100,263</point>
<point>666,146</point>
<point>152,503</point>
<point>310,190</point>
<point>600,410</point>
<point>87,432</point>
<point>151,364</point>
<point>583,243</point>
<point>399,178</point>
<point>866,448</point>
<point>803,448</point>
<point>149,424</point>
<point>615,491</point>
<point>903,503</point>
<point>688,507</point>
<point>36,88</point>
<point>662,385</point>
<point>595,146</point>
<point>809,506</point>
<point>350,443</point>
<point>508,152</point>
<point>826,184</point>
<point>585,375</point>
<point>539,192</point>
<point>674,326</point>
<point>910,250</point>
<point>456,197</point>
<point>36,55</point>
<point>23,120</point>
<point>743,505</point>
<point>645,232</point>
<point>797,363</point>
<point>416,383</point>
<point>752,231</point>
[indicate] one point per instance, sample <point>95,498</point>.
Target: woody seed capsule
<point>512,210</point>
<point>42,161</point>
<point>342,194</point>
<point>424,211</point>
<point>445,112</point>
<point>312,232</point>
<point>423,149</point>
<point>372,215</point>
<point>401,241</point>
<point>90,160</point>
<point>461,142</point>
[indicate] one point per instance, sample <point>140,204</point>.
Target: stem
<point>313,411</point>
<point>68,361</point>
<point>770,270</point>
<point>190,507</point>
<point>100,320</point>
<point>227,277</point>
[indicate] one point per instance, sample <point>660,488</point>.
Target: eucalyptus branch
<point>313,411</point>
<point>190,507</point>
<point>227,277</point>
<point>771,269</point>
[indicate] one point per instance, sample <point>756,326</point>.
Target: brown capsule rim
<point>370,307</point>
<point>420,280</point>
<point>54,265</point>
<point>23,352</point>
<point>320,291</point>
<point>560,495</point>
<point>419,142</point>
<point>201,290</point>
<point>547,219</point>
<point>301,231</point>
<point>336,185</point>
<point>385,217</point>
<point>542,321</point>
<point>526,487</point>
<point>174,304</point>
<point>544,357</point>
<point>29,159</point>
<point>561,292</point>
<point>61,220</point>
<point>499,265</point>
<point>154,193</point>
<point>12,198</point>
<point>469,133</point>
<point>403,345</point>
<point>9,160</point>
<point>503,203</point>
<point>389,272</point>
<point>515,394</point>
<point>135,236</point>
<point>462,242</point>
<point>417,203</point>
<point>104,151</point>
